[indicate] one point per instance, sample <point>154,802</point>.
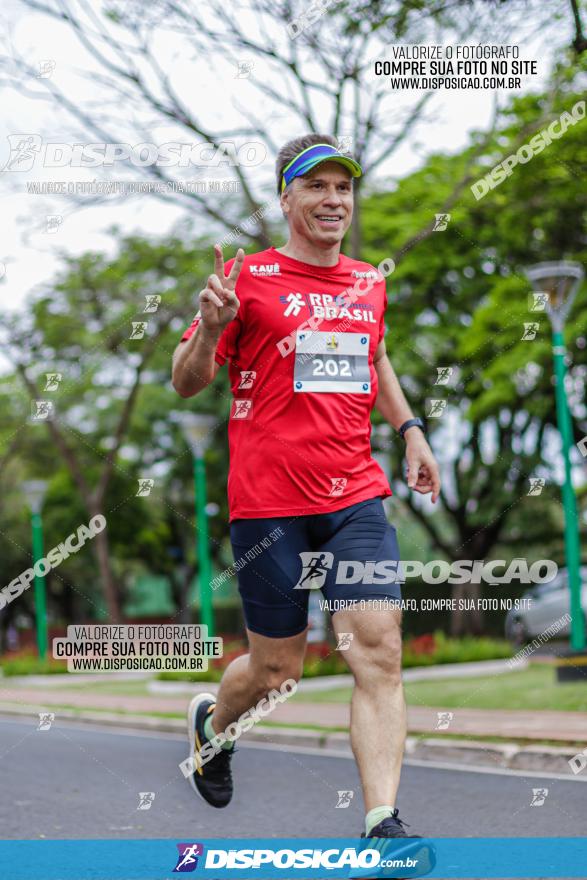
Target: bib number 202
<point>331,367</point>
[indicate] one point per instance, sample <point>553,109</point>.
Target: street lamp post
<point>559,282</point>
<point>34,491</point>
<point>197,430</point>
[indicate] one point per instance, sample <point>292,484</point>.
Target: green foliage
<point>464,650</point>
<point>457,297</point>
<point>460,298</point>
<point>534,688</point>
<point>211,675</point>
<point>81,329</point>
<point>331,662</point>
<point>31,664</point>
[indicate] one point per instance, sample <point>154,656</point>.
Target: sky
<point>32,245</point>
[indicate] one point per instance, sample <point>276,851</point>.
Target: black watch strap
<point>418,423</point>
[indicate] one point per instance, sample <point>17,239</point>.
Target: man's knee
<point>377,654</point>
<point>272,674</point>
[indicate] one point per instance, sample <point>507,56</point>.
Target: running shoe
<point>418,849</point>
<point>212,780</point>
<point>391,826</point>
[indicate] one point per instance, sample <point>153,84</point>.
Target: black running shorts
<point>351,554</point>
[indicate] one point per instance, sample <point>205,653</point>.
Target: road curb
<point>510,756</point>
<point>549,759</point>
<point>109,719</point>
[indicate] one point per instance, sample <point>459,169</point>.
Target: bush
<point>30,664</point>
<point>429,649</point>
<point>215,667</point>
<point>211,675</point>
<point>432,649</point>
<point>333,664</point>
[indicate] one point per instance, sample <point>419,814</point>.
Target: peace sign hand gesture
<point>218,301</point>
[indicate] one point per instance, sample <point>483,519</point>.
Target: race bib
<point>332,362</point>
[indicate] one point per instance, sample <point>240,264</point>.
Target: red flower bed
<point>318,650</point>
<point>425,644</point>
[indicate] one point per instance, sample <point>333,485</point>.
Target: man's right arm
<point>194,365</point>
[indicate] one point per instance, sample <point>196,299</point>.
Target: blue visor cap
<point>312,156</point>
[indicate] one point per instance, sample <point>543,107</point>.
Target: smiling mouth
<point>329,218</point>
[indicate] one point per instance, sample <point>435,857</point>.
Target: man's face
<point>319,206</point>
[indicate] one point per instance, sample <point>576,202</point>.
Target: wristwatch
<point>418,423</point>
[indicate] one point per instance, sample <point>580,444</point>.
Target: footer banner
<point>304,858</point>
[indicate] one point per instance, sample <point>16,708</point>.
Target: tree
<point>104,328</point>
<point>459,299</point>
<point>315,76</point>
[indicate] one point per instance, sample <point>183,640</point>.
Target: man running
<point>302,329</point>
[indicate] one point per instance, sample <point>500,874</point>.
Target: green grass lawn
<point>138,688</point>
<point>533,688</point>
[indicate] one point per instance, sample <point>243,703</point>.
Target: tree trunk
<point>185,577</point>
<point>466,622</point>
<point>101,547</point>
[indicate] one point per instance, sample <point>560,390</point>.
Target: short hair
<point>290,150</point>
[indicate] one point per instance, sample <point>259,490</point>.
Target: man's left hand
<point>423,474</point>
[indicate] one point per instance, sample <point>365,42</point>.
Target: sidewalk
<point>544,725</point>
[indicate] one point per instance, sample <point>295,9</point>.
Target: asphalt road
<point>81,782</point>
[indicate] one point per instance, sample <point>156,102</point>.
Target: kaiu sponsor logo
<point>265,270</point>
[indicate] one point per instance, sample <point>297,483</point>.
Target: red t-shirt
<point>299,428</point>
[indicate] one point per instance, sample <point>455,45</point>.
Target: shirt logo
<point>296,303</point>
<point>265,270</point>
<point>370,274</point>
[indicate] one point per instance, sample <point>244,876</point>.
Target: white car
<point>549,603</point>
